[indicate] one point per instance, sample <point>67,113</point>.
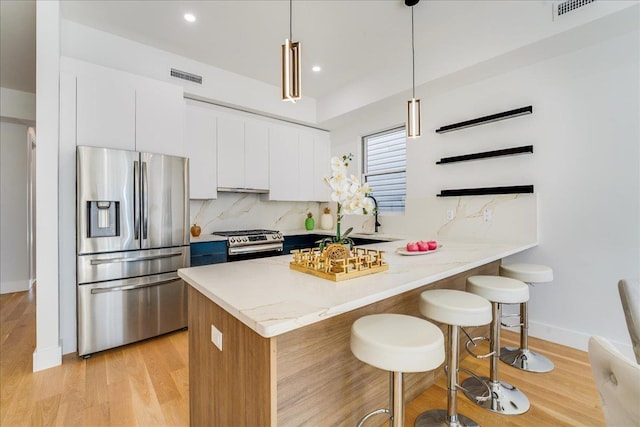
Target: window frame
<point>366,174</point>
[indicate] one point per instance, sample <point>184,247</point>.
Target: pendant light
<point>413,105</point>
<point>290,65</point>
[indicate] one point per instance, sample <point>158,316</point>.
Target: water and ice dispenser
<point>103,218</point>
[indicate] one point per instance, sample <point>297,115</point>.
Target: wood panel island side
<point>285,358</point>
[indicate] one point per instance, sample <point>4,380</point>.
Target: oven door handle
<point>255,249</point>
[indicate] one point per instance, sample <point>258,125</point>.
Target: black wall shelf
<point>487,154</point>
<point>486,119</point>
<point>514,189</point>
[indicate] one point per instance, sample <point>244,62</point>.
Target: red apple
<point>423,246</point>
<point>412,247</point>
<point>432,244</point>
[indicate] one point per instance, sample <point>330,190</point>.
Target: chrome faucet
<point>375,213</point>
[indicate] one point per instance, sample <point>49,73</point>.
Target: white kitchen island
<point>285,357</point>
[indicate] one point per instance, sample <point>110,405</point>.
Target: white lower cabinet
<point>200,146</point>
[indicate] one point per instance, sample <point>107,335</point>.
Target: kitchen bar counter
<point>285,357</point>
<point>272,299</point>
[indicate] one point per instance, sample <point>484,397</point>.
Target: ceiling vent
<point>186,76</point>
<point>569,6</point>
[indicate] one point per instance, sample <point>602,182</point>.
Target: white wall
<point>14,172</point>
<point>585,168</point>
<point>48,351</point>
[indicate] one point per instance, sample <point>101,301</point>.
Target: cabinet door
<point>306,176</point>
<point>230,152</point>
<point>106,106</point>
<point>256,155</point>
<point>200,147</point>
<point>159,118</point>
<point>283,164</point>
<point>321,166</point>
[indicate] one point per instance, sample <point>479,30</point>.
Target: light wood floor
<point>146,384</point>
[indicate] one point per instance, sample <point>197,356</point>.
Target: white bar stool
<point>396,343</point>
<point>504,398</point>
<point>453,308</point>
<point>523,358</point>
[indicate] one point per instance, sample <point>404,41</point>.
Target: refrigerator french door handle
<point>136,259</point>
<point>136,200</point>
<point>145,201</point>
<point>131,287</point>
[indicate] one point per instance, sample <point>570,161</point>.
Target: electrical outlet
<point>216,337</point>
<point>487,214</point>
<point>451,213</point>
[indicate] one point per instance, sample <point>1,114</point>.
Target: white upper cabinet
<point>256,154</point>
<point>243,153</point>
<point>200,147</point>
<point>298,163</point>
<point>120,110</point>
<point>321,166</point>
<point>230,152</point>
<point>284,164</point>
<point>106,110</point>
<point>306,175</point>
<point>159,118</point>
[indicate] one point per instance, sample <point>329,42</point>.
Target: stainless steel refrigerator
<point>132,237</point>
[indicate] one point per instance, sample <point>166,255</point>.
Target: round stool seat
<point>397,342</point>
<point>528,273</point>
<point>454,307</point>
<point>503,290</point>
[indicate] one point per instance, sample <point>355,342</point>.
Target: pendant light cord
<point>413,57</point>
<point>290,20</point>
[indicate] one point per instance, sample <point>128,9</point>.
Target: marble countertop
<point>270,298</point>
<point>208,238</point>
<point>378,236</point>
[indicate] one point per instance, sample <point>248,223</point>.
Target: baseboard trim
<point>570,338</point>
<point>47,358</point>
<point>14,286</point>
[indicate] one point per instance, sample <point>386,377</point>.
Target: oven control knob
<point>245,239</point>
<point>232,240</point>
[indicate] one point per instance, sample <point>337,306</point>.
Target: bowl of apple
<point>420,247</point>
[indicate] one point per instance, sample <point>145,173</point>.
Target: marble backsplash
<point>513,217</point>
<point>243,211</point>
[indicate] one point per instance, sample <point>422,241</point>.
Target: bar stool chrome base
<point>525,359</point>
<point>505,398</point>
<point>439,418</point>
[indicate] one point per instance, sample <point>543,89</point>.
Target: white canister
<point>326,220</point>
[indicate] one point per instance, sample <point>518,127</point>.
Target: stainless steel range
<point>251,244</point>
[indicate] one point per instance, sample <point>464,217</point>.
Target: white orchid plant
<point>350,194</point>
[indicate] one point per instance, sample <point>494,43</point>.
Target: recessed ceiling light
<point>316,69</point>
<point>189,17</point>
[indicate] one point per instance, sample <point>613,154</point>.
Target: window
<point>385,168</point>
